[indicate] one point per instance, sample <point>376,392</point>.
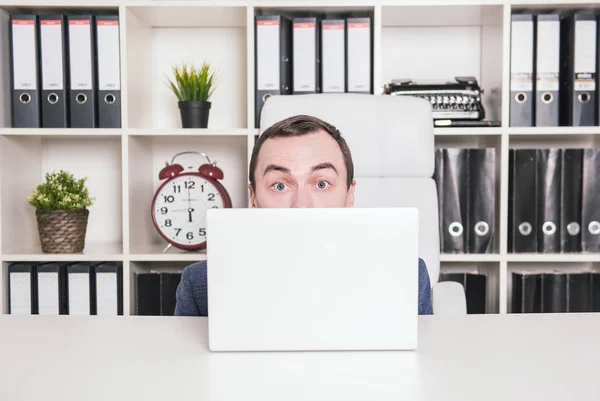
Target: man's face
<point>301,171</point>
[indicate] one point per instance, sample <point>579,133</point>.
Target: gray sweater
<point>192,298</point>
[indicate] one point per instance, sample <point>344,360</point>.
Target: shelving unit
<point>412,38</point>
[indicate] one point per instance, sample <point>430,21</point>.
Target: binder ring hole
<point>25,98</point>
<point>594,228</point>
<point>521,97</point>
<point>525,228</point>
<point>109,99</point>
<point>455,229</point>
<point>549,228</point>
<point>584,97</point>
<point>482,228</point>
<point>266,96</point>
<point>81,98</point>
<point>573,228</point>
<point>53,98</point>
<point>547,98</point>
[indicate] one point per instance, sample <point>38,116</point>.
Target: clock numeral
<point>169,198</point>
<point>190,185</point>
<point>168,223</point>
<point>190,236</point>
<point>202,188</point>
<point>178,231</point>
<point>163,210</point>
<point>177,189</point>
<point>211,197</point>
<point>202,232</point>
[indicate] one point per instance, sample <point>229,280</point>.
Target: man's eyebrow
<point>274,167</point>
<point>323,166</point>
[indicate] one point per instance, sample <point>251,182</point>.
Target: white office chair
<point>392,144</point>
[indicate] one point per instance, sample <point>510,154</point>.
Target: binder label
<point>267,55</point>
<point>333,61</point>
<point>24,55</point>
<point>585,53</point>
<point>359,56</point>
<point>548,56</point>
<point>109,77</point>
<point>52,54</point>
<point>48,293</point>
<point>521,58</point>
<point>305,59</point>
<point>20,293</point>
<point>80,54</point>
<point>585,82</point>
<point>106,294</point>
<point>79,293</point>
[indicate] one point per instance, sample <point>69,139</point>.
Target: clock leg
<point>167,248</point>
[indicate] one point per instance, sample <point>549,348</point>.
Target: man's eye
<point>322,184</point>
<point>279,186</point>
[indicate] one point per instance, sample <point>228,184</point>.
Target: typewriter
<point>457,100</point>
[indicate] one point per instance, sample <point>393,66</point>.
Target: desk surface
<point>488,357</point>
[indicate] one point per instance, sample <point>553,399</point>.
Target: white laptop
<point>312,279</point>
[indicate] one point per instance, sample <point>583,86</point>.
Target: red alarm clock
<point>180,203</point>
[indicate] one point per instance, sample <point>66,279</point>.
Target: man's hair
<point>296,126</point>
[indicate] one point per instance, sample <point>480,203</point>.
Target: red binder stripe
<point>23,22</point>
<point>108,23</point>
<point>50,22</point>
<point>304,25</point>
<point>333,27</point>
<point>267,22</point>
<point>358,25</point>
<point>79,22</point>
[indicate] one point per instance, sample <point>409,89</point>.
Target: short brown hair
<point>296,126</point>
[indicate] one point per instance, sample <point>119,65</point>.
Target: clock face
<point>180,209</point>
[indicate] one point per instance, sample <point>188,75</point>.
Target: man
<point>301,161</point>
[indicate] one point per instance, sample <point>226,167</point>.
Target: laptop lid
<point>312,279</point>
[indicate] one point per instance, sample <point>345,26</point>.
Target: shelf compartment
<point>489,268</point>
<point>191,132</point>
<point>154,253</point>
<point>468,38</point>
<point>148,155</point>
<point>26,160</point>
<point>151,50</point>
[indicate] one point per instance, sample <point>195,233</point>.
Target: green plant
<point>61,191</point>
<point>192,83</point>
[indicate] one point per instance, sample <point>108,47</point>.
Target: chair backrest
<point>392,145</point>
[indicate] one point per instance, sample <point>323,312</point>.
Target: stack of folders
<point>312,55</point>
<point>555,292</point>
<point>553,69</point>
<point>475,286</point>
<point>466,187</point>
<point>553,200</point>
<point>79,288</point>
<point>65,71</point>
<point>155,293</point>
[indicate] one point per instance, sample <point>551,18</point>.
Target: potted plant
<point>61,210</point>
<point>193,88</point>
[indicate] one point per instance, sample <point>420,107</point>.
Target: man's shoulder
<point>195,271</point>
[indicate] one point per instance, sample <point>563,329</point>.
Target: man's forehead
<point>314,145</point>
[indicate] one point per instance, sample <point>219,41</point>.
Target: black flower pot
<point>194,113</point>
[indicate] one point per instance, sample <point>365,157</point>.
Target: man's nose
<point>302,199</point>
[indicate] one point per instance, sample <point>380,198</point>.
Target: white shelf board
<point>206,14</point>
<point>111,252</point>
<point>154,253</point>
<point>62,132</point>
<point>550,131</point>
<point>470,257</point>
<point>467,131</point>
<point>193,132</point>
<point>553,257</point>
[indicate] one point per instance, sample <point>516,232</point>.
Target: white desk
<point>479,358</point>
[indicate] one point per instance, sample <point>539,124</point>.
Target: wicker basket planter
<point>62,231</point>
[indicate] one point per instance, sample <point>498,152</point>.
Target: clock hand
<point>190,210</point>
